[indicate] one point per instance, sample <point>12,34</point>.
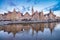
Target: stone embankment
<point>19,22</point>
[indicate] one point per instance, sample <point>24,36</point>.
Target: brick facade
<point>19,16</point>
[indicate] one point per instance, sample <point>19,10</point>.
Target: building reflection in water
<point>15,28</point>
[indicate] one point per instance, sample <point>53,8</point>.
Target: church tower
<point>41,15</point>
<point>32,10</point>
<point>13,15</point>
<point>50,11</point>
<point>14,11</point>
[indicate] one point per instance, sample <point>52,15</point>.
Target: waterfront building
<point>1,17</point>
<point>17,15</point>
<point>35,16</point>
<point>50,16</point>
<point>41,16</point>
<point>26,16</point>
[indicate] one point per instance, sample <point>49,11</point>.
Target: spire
<point>14,10</point>
<point>50,11</point>
<point>42,11</point>
<point>32,10</point>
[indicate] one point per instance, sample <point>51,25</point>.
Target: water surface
<point>38,31</point>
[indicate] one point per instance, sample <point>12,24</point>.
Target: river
<point>37,31</point>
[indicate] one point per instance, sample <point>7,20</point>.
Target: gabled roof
<point>19,13</point>
<point>5,13</point>
<point>35,13</point>
<point>9,12</point>
<point>26,14</point>
<point>39,13</point>
<point>49,14</point>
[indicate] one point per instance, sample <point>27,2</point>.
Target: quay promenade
<point>22,22</point>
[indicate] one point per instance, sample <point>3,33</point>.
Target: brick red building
<point>35,15</point>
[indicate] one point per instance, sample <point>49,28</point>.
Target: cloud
<point>36,1</point>
<point>28,8</point>
<point>29,0</point>
<point>11,3</point>
<point>54,7</point>
<point>23,8</point>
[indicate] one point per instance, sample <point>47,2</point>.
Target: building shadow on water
<point>28,30</point>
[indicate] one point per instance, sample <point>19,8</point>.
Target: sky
<point>26,5</point>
